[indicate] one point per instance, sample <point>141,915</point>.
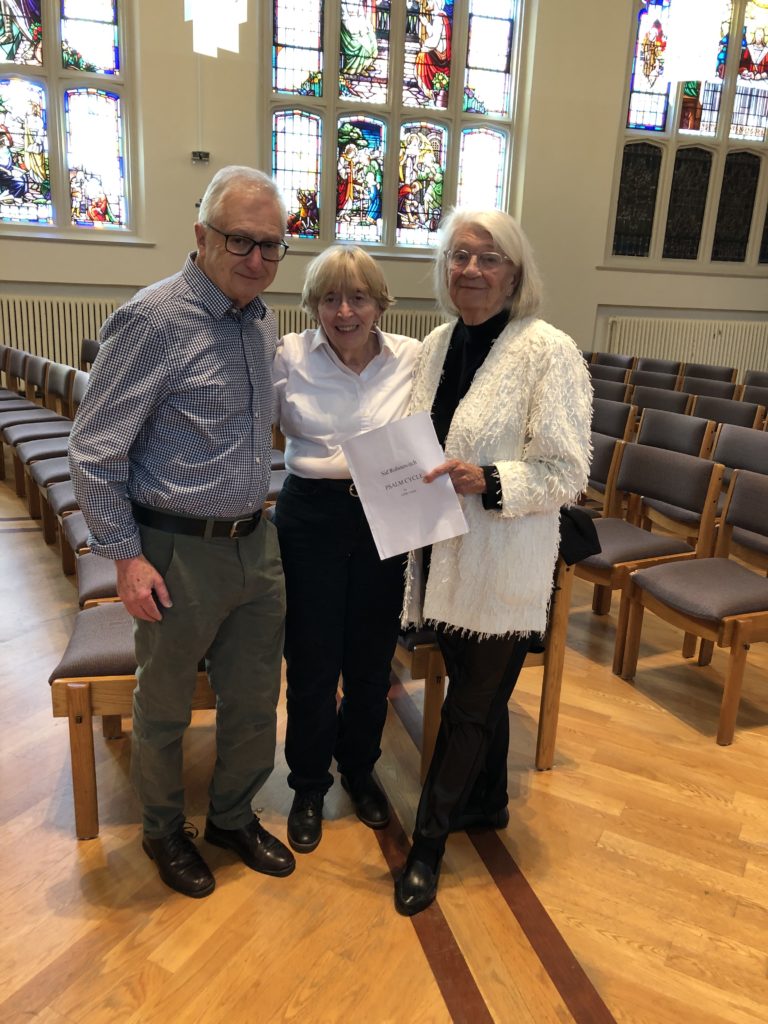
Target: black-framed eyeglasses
<point>243,245</point>
<point>460,258</point>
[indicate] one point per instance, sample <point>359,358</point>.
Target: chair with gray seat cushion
<point>710,371</point>
<point>613,390</point>
<point>617,419</point>
<point>96,579</point>
<point>14,363</point>
<point>96,677</point>
<point>614,359</point>
<point>599,496</point>
<point>658,398</point>
<point>707,386</point>
<point>754,393</point>
<point>58,389</point>
<point>74,536</point>
<point>728,410</point>
<point>757,377</point>
<point>659,365</point>
<point>57,500</point>
<point>676,432</point>
<point>653,379</point>
<point>740,448</point>
<point>646,473</point>
<point>41,474</point>
<point>718,599</point>
<point>598,371</point>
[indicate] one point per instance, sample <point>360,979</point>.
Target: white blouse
<point>321,402</point>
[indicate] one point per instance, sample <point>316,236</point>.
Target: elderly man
<point>170,458</point>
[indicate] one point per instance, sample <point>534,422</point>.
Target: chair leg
<point>68,564</point>
<point>689,645</point>
<point>634,628</point>
<point>732,691</point>
<point>554,658</point>
<point>621,632</point>
<point>434,693</point>
<point>49,522</point>
<point>601,600</point>
<point>18,476</point>
<point>112,727</point>
<point>33,499</point>
<point>83,761</point>
<point>705,651</point>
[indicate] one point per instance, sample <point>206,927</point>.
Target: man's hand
<point>465,477</point>
<point>141,588</point>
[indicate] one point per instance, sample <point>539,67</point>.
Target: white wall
<point>564,161</point>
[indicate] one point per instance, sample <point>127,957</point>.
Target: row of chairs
<point>683,382</point>
<point>676,368</point>
<point>722,410</point>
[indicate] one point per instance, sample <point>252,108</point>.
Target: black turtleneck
<point>467,351</point>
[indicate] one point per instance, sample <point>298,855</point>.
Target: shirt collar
<point>213,298</point>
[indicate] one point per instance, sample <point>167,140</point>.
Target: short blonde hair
<point>343,267</point>
<point>509,239</point>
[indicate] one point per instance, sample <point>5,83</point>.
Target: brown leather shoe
<point>179,862</point>
<point>255,847</point>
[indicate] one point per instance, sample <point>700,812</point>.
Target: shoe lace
<point>189,830</point>
<point>310,800</point>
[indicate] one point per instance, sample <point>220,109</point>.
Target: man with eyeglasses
<point>170,459</point>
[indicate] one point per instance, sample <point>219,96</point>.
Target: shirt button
<point>256,415</point>
<point>258,460</point>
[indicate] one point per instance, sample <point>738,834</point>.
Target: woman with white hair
<point>510,400</point>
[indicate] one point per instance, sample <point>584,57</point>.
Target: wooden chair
<point>707,386</point>
<point>653,379</point>
<point>612,390</point>
<point>727,410</point>
<point>754,393</point>
<point>710,371</point>
<point>58,398</point>
<point>717,599</point>
<point>616,419</point>
<point>659,365</point>
<point>600,493</point>
<point>601,371</point>
<point>614,359</point>
<point>757,377</point>
<point>421,656</point>
<point>658,398</point>
<point>89,349</point>
<point>96,677</point>
<point>676,432</point>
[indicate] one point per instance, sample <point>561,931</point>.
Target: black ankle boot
<point>305,821</point>
<point>416,887</point>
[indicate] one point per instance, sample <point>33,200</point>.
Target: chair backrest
<point>676,432</point>
<point>35,373</point>
<point>744,528</point>
<point>14,368</point>
<point>741,448</point>
<point>659,365</point>
<point>58,387</point>
<point>89,349</point>
<point>652,379</point>
<point>4,350</point>
<point>754,393</point>
<point>606,456</point>
<point>617,419</point>
<point>708,386</point>
<point>710,372</point>
<point>586,356</point>
<point>656,398</point>
<point>614,359</point>
<point>727,410</point>
<point>600,372</point>
<point>758,377</point>
<point>613,390</point>
<point>79,387</point>
<point>677,480</point>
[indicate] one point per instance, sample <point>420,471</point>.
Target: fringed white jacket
<point>528,411</point>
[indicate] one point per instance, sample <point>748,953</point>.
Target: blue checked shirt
<point>177,415</point>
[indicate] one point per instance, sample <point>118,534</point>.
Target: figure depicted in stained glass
<point>34,143</point>
<point>434,56</point>
<point>25,190</point>
<point>652,52</point>
<point>359,178</point>
<point>358,37</point>
<point>420,192</point>
<point>753,65</point>
<point>20,35</point>
<point>305,220</point>
<point>13,184</point>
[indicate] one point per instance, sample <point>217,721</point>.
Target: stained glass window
<point>489,57</point>
<point>420,189</point>
<point>640,169</point>
<point>364,50</point>
<point>750,109</point>
<point>297,51</point>
<point>482,160</point>
<point>649,88</point>
<point>94,143</point>
<point>21,34</point>
<point>428,39</point>
<point>296,154</point>
<point>89,36</point>
<point>763,257</point>
<point>25,187</point>
<point>734,214</point>
<point>360,145</point>
<point>687,202</point>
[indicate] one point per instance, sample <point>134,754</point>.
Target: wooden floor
<point>631,884</point>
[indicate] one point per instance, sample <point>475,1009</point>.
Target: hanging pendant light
<point>216,25</point>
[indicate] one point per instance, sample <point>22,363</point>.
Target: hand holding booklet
<point>387,466</point>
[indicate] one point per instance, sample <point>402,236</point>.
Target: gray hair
<point>231,177</point>
<point>509,239</point>
<point>340,267</point>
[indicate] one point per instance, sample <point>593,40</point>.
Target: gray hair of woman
<point>343,268</point>
<point>509,239</point>
<point>233,177</point>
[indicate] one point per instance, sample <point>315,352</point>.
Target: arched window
<point>698,85</point>
<point>62,123</point>
<point>386,112</point>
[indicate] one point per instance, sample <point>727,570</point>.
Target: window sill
<point>89,236</point>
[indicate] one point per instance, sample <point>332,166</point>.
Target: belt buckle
<point>234,528</point>
<point>353,491</point>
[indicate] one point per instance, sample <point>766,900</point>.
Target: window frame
<point>57,80</point>
<point>671,141</point>
<point>330,107</point>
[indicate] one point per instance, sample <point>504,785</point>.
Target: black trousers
<point>343,609</point>
<point>468,771</point>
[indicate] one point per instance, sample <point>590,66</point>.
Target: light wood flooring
<point>644,851</point>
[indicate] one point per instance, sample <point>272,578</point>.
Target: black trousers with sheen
<point>343,609</point>
<point>468,771</point>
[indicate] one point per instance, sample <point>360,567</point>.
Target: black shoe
<point>480,819</point>
<point>416,887</point>
<point>179,862</point>
<point>305,821</point>
<point>255,847</point>
<point>371,804</point>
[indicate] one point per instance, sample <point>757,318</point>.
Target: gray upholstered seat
<point>101,644</point>
<point>42,448</point>
<point>96,578</point>
<point>49,471</point>
<point>75,530</point>
<point>706,588</point>
<point>620,541</point>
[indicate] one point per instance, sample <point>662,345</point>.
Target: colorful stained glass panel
<point>360,146</point>
<point>25,187</point>
<point>95,162</point>
<point>364,50</point>
<point>734,214</point>
<point>487,78</point>
<point>649,89</point>
<point>687,201</point>
<point>89,36</point>
<point>640,167</point>
<point>482,161</point>
<point>427,66</point>
<point>296,154</point>
<point>420,182</point>
<point>21,34</point>
<point>297,47</point>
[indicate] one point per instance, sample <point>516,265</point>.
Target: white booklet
<point>387,465</point>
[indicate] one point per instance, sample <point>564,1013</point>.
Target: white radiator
<point>54,326</point>
<point>739,343</point>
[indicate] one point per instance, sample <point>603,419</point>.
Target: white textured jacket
<point>528,411</point>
